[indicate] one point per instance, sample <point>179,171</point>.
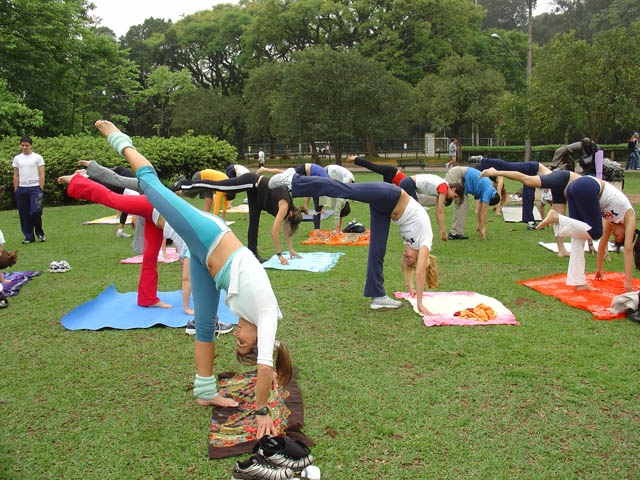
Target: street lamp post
<point>527,72</point>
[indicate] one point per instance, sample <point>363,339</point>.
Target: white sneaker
<point>282,179</point>
<point>475,158</point>
<point>122,234</point>
<point>384,302</point>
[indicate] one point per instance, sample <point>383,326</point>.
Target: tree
<point>15,117</point>
<point>505,14</point>
<point>461,95</point>
<point>164,87</point>
<point>349,97</point>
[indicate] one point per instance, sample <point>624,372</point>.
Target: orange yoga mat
<point>596,301</point>
<point>325,237</point>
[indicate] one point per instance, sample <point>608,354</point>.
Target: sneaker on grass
<point>384,302</point>
<point>284,452</point>
<point>283,179</point>
<point>191,328</point>
<point>256,468</point>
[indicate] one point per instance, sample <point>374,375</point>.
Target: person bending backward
<point>482,189</point>
<point>386,203</point>
<point>556,181</point>
<point>260,197</point>
<point>597,210</point>
<point>435,187</point>
<point>218,262</point>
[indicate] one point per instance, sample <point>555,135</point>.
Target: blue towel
<point>310,262</point>
<point>116,310</point>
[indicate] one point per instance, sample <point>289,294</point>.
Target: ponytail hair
<point>430,274</point>
<point>293,219</point>
<point>8,258</point>
<point>283,363</point>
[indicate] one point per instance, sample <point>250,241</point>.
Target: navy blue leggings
<point>382,199</point>
<point>583,201</point>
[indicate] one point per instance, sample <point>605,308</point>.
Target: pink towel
<point>444,305</point>
<point>172,256</point>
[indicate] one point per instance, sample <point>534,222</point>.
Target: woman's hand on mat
<point>424,310</point>
<point>295,255</point>
<point>265,426</point>
<point>217,401</point>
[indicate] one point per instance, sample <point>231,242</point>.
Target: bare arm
<point>41,176</point>
<point>440,216</point>
<point>16,179</point>
<point>283,211</point>
<point>421,272</point>
<point>263,389</point>
<point>482,220</point>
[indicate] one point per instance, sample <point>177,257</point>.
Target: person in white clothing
<point>597,210</point>
<point>28,187</point>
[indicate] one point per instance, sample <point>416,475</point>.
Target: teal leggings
<point>199,230</point>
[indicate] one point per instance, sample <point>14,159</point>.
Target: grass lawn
<point>386,397</point>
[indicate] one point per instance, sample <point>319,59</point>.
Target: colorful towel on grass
<point>110,220</point>
<point>16,281</point>
<point>445,305</point>
<point>328,237</point>
<point>172,256</point>
<point>513,213</point>
<point>120,311</point>
<point>310,262</point>
<point>308,217</point>
<point>233,430</point>
<point>595,301</point>
<point>554,246</point>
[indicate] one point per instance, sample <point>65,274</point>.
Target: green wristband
<point>119,141</point>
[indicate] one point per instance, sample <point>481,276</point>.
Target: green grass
<point>386,398</point>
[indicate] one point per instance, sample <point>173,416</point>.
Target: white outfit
<point>241,169</point>
<point>613,204</point>
<point>28,167</point>
<point>415,226</point>
<point>1,238</point>
<point>339,173</point>
<point>428,183</point>
<point>578,231</point>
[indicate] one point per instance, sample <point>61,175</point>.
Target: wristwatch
<point>263,411</point>
<point>278,254</point>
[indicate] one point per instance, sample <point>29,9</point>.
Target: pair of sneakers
<point>59,267</point>
<point>275,458</point>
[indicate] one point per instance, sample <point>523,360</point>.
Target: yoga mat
<point>110,220</point>
<point>444,305</point>
<point>310,262</point>
<point>120,311</point>
<point>595,301</point>
<point>17,280</point>
<point>172,256</point>
<point>554,246</point>
<point>513,213</point>
<point>308,217</point>
<point>232,430</point>
<point>328,237</point>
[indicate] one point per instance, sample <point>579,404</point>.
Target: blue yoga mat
<point>120,311</point>
<point>310,261</point>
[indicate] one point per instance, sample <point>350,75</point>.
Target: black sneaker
<point>41,238</point>
<point>4,303</point>
<point>222,328</point>
<point>284,452</point>
<point>177,185</point>
<point>26,241</point>
<point>457,236</point>
<point>531,225</point>
<point>256,468</point>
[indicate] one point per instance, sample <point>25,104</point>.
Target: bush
<point>170,156</point>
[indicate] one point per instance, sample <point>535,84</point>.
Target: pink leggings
<point>84,189</point>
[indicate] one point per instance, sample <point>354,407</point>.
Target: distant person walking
<point>453,153</point>
<point>28,187</point>
<point>260,158</point>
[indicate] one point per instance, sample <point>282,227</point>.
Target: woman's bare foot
<point>586,286</point>
<point>83,163</point>
<point>189,311</point>
<point>489,172</point>
<point>105,127</point>
<point>564,253</point>
<point>552,217</point>
<point>218,401</point>
<point>160,304</point>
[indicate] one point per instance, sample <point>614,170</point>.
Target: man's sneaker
<point>283,179</point>
<point>222,328</point>
<point>191,328</point>
<point>122,234</point>
<point>4,303</point>
<point>284,452</point>
<point>41,238</point>
<point>256,468</point>
<point>475,158</point>
<point>457,236</point>
<point>26,241</point>
<point>531,225</point>
<point>384,302</point>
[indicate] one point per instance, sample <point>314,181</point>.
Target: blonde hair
<point>283,361</point>
<point>431,273</point>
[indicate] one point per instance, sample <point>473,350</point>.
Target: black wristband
<point>263,411</point>
<point>278,254</point>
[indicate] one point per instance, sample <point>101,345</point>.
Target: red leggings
<point>84,189</point>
